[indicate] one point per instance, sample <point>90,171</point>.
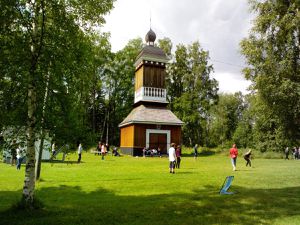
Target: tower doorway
<point>158,138</point>
<point>158,141</point>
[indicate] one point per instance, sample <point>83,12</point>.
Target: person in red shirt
<point>233,155</point>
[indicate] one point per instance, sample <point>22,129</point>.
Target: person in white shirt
<point>79,152</point>
<point>19,157</point>
<point>172,158</point>
<point>53,150</point>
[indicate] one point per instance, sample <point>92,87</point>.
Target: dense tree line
<point>59,75</point>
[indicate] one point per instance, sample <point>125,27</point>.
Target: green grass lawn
<point>130,190</point>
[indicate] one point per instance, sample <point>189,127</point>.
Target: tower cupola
<point>150,37</point>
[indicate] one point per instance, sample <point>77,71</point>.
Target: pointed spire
<point>150,19</point>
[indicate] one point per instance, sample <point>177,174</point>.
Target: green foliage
<point>225,118</point>
<point>166,45</point>
<point>118,88</point>
<point>191,91</point>
<point>273,54</point>
<point>66,52</point>
<point>45,46</point>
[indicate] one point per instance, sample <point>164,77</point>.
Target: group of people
<point>151,152</point>
<point>174,157</point>
<point>234,154</point>
<point>174,154</point>
<point>54,151</point>
<point>102,149</point>
<point>295,152</point>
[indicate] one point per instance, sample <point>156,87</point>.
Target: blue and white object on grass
<point>226,186</point>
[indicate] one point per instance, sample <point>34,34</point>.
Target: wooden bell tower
<point>150,73</point>
<point>150,124</point>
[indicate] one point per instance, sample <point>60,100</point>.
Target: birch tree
<point>272,52</point>
<point>33,33</point>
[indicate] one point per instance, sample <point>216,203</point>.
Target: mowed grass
<point>130,190</point>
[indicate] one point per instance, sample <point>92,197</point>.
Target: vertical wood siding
<point>127,136</point>
<point>139,78</point>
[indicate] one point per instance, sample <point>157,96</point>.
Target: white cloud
<point>217,24</point>
<point>231,84</point>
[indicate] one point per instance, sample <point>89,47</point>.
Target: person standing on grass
<point>287,152</point>
<point>103,151</point>
<point>172,158</point>
<point>53,149</point>
<point>19,157</point>
<point>13,153</point>
<point>178,156</point>
<point>247,157</point>
<point>195,151</point>
<point>233,155</point>
<point>79,152</point>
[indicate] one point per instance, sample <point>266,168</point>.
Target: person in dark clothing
<point>98,148</point>
<point>107,147</point>
<point>13,152</point>
<point>159,152</point>
<point>287,152</point>
<point>178,156</point>
<point>195,151</point>
<point>79,152</point>
<point>247,157</point>
<point>115,152</point>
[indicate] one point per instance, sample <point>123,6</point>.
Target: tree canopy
<point>272,51</point>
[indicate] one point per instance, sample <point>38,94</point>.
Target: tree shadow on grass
<point>56,161</point>
<point>72,205</point>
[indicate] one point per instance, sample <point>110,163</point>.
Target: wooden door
<point>158,141</point>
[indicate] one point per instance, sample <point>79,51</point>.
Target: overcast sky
<point>219,26</point>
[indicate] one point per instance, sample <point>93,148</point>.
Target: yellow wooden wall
<point>127,136</point>
<point>139,78</point>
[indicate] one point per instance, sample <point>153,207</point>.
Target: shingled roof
<point>151,115</point>
<point>151,53</point>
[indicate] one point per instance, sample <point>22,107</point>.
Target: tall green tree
<point>39,37</point>
<point>272,52</point>
<point>267,133</point>
<point>119,88</point>
<point>166,45</point>
<point>191,90</point>
<point>224,118</point>
<point>100,64</point>
<point>243,134</point>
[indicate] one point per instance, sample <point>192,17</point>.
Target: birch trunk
<point>29,181</point>
<point>42,137</point>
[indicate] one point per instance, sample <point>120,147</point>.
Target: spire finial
<point>150,19</point>
<point>150,36</point>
